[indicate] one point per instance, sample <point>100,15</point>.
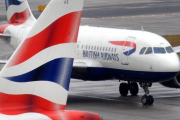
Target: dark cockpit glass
<point>142,50</point>
<point>169,49</point>
<point>149,50</point>
<point>159,50</point>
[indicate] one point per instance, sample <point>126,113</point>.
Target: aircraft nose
<point>170,64</point>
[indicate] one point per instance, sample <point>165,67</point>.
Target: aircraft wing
<point>176,49</point>
<point>3,61</point>
<point>79,67</point>
<point>5,36</point>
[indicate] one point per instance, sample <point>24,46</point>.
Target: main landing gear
<point>125,87</point>
<point>147,99</point>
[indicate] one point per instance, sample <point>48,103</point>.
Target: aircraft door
<point>126,50</point>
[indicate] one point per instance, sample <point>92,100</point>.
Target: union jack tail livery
<point>18,12</point>
<point>34,83</point>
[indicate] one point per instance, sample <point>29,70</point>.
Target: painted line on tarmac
<point>118,3</point>
<point>166,96</point>
<point>138,16</point>
<point>3,22</point>
<point>108,99</point>
<point>2,13</point>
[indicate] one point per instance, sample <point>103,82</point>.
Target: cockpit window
<point>149,50</point>
<point>169,49</point>
<point>142,50</point>
<point>159,50</point>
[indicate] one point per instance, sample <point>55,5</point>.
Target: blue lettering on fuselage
<point>100,55</point>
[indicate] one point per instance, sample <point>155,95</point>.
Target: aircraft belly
<point>98,74</point>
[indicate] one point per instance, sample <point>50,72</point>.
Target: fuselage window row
<point>98,48</point>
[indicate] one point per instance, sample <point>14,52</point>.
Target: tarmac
<point>159,16</point>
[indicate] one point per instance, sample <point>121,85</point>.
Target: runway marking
<point>138,16</point>
<point>118,3</point>
<point>174,96</point>
<point>3,22</point>
<point>2,13</point>
<point>109,99</point>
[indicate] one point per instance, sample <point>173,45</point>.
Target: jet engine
<point>173,83</point>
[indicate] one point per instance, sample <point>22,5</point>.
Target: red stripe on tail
<point>19,104</point>
<point>19,18</point>
<point>57,33</point>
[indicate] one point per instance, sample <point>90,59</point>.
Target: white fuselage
<point>116,49</point>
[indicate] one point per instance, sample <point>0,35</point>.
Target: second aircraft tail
<point>18,12</point>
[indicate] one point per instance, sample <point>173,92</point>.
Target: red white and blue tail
<point>37,75</point>
<point>18,12</point>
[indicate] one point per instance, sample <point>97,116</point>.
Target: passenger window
<point>92,48</point>
<point>142,50</point>
<point>112,50</point>
<point>103,48</point>
<point>89,47</point>
<point>86,47</point>
<point>98,48</point>
<point>115,50</point>
<point>95,48</point>
<point>169,49</point>
<point>149,50</point>
<point>82,47</point>
<point>159,50</point>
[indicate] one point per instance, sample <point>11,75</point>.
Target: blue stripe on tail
<point>12,2</point>
<point>57,71</point>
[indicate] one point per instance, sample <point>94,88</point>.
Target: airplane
<point>34,83</point>
<point>107,53</point>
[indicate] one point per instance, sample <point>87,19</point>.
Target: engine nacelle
<point>174,83</point>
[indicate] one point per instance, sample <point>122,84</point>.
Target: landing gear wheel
<point>151,99</point>
<point>145,100</point>
<point>123,89</point>
<point>134,89</point>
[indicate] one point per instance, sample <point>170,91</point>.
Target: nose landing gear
<point>147,99</point>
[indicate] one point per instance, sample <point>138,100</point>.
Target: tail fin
<point>18,12</point>
<point>37,75</point>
